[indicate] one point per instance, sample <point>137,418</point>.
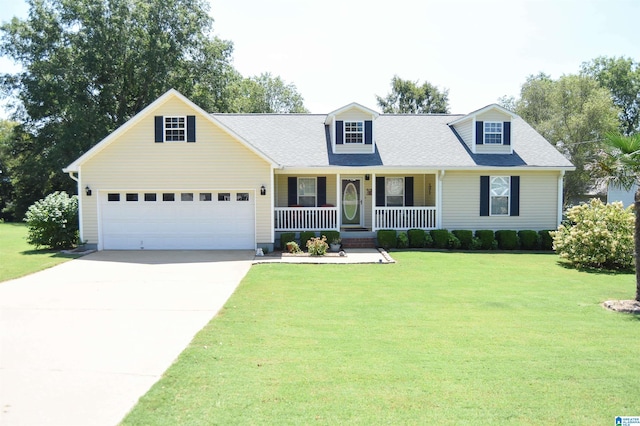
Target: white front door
<point>352,212</point>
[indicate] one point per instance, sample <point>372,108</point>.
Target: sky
<point>341,51</point>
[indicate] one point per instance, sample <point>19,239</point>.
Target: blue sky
<point>341,51</point>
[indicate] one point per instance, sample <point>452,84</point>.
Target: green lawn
<point>17,258</point>
<point>438,338</point>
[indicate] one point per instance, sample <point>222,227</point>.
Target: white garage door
<point>171,220</point>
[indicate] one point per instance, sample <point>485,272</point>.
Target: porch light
<point>263,190</point>
<point>367,177</point>
<point>87,191</point>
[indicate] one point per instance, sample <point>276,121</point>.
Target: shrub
<point>416,238</point>
<point>305,236</point>
<point>476,244</point>
<point>487,239</point>
<point>507,239</point>
<point>53,221</point>
<point>331,235</point>
<point>428,240</point>
<point>387,238</point>
<point>317,246</point>
<point>440,238</point>
<point>402,241</point>
<point>529,240</point>
<point>546,240</point>
<point>465,237</point>
<point>453,242</point>
<point>599,236</point>
<point>286,237</point>
<point>292,247</point>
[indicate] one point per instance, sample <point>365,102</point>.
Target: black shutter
<point>191,128</point>
<point>515,196</point>
<point>506,133</point>
<point>479,132</point>
<point>339,133</point>
<point>379,191</point>
<point>292,190</point>
<point>408,191</point>
<point>322,190</point>
<point>159,126</point>
<point>484,195</point>
<point>368,132</point>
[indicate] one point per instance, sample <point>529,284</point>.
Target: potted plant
<point>335,244</point>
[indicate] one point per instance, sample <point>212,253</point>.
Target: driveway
<point>81,342</point>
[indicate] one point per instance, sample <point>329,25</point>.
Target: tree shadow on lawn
<point>600,271</point>
<point>56,254</point>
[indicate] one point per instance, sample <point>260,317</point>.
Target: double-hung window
<point>493,133</point>
<point>354,132</point>
<point>307,192</point>
<point>175,129</point>
<point>394,191</point>
<point>499,193</point>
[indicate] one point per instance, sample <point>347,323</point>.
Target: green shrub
<point>387,238</point>
<point>317,246</point>
<point>546,240</point>
<point>465,237</point>
<point>305,236</point>
<point>529,240</point>
<point>476,244</point>
<point>507,240</point>
<point>428,240</point>
<point>599,236</point>
<point>487,239</point>
<point>292,247</point>
<point>286,237</point>
<point>53,221</point>
<point>402,241</point>
<point>331,236</point>
<point>416,238</point>
<point>453,242</point>
<point>440,238</point>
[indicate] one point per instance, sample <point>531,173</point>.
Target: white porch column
<point>338,201</point>
<point>560,187</point>
<point>373,203</point>
<point>439,177</point>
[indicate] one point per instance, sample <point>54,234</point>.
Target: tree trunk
<point>636,241</point>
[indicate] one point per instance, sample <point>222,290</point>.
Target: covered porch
<point>356,202</point>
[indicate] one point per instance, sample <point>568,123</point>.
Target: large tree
<point>621,76</point>
<point>409,97</point>
<point>266,94</point>
<point>573,113</point>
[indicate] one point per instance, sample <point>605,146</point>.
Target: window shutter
<point>159,126</point>
<point>191,128</point>
<point>379,191</point>
<point>339,132</point>
<point>484,195</point>
<point>368,132</point>
<point>292,190</point>
<point>322,190</point>
<point>408,191</point>
<point>506,133</point>
<point>515,196</point>
<point>479,132</point>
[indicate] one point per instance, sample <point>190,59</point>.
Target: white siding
<point>465,130</point>
<point>493,115</point>
<point>354,114</point>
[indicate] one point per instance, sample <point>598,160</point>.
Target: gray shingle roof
<point>302,140</point>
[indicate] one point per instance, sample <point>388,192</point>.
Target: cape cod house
<point>177,177</point>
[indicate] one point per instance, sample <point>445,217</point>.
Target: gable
<point>486,131</point>
<point>351,130</point>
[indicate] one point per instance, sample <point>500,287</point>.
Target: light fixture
<point>87,190</point>
<point>263,190</point>
<point>367,177</point>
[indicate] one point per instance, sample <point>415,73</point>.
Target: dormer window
<point>493,133</point>
<point>354,131</point>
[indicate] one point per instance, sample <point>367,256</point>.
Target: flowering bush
<point>317,246</point>
<point>53,221</point>
<point>599,236</point>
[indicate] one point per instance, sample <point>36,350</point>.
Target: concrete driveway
<point>81,342</point>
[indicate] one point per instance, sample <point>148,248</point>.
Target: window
<point>150,196</point>
<point>242,196</point>
<point>186,196</point>
<point>394,191</point>
<point>205,196</point>
<point>113,197</point>
<point>224,196</point>
<point>493,133</point>
<point>174,129</point>
<point>499,193</point>
<point>353,132</point>
<point>132,197</point>
<point>307,192</point>
<point>168,196</point>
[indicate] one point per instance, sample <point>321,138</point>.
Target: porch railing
<point>403,218</point>
<point>306,218</point>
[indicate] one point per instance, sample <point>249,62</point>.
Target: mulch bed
<point>627,306</point>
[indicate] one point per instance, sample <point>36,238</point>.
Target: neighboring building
<point>176,177</point>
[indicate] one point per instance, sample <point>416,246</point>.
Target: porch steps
<point>358,242</point>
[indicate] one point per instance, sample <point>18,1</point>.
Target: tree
<point>573,113</point>
<point>621,76</point>
<point>266,94</point>
<point>619,164</point>
<point>408,97</point>
<point>6,187</point>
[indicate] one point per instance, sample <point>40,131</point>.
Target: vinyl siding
<point>538,201</point>
<point>493,115</point>
<point>493,149</point>
<point>353,115</point>
<point>465,130</point>
<point>216,161</point>
<point>282,184</point>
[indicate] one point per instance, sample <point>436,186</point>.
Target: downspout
<point>77,179</point>
<point>439,200</point>
<point>560,188</point>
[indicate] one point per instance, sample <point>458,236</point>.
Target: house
<point>177,177</point>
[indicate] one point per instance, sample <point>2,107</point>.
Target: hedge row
<point>483,239</point>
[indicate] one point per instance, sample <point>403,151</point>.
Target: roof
<point>411,141</point>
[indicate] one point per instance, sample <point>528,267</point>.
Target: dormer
<point>352,129</point>
<point>487,130</point>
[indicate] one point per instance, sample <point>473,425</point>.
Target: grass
<point>17,258</point>
<point>438,338</point>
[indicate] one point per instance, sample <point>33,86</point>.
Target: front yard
<point>438,338</point>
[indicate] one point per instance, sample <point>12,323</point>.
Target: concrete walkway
<point>362,255</point>
<point>81,342</point>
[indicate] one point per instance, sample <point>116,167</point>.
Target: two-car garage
<point>177,220</point>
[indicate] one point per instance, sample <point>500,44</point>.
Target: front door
<point>352,202</point>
